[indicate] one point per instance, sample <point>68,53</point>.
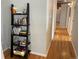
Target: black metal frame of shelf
<point>12,23</point>
<point>20,25</point>
<point>21,35</point>
<point>19,45</point>
<point>20,14</point>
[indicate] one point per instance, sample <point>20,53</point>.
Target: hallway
<point>61,47</point>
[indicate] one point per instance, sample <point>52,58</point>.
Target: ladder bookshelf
<point>20,33</point>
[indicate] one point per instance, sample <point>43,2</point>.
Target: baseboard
<point>39,54</point>
<point>6,49</point>
<point>35,53</point>
<point>74,48</point>
<point>49,47</point>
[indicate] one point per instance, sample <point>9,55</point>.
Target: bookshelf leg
<point>11,55</point>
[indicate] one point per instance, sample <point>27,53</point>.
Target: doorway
<point>63,14</point>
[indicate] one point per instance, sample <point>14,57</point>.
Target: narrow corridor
<point>61,46</point>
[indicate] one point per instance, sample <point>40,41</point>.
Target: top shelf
<point>20,14</point>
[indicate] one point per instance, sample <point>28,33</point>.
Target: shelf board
<point>24,54</point>
<point>20,35</point>
<point>20,25</point>
<point>21,46</point>
<point>18,54</point>
<point>20,14</point>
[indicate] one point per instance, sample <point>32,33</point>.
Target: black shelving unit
<point>20,35</point>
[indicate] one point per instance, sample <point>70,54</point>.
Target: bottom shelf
<point>20,53</point>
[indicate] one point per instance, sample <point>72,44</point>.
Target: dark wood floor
<point>61,47</point>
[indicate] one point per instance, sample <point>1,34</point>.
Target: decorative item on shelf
<point>16,21</point>
<point>21,21</point>
<point>24,10</point>
<point>13,9</point>
<point>22,32</point>
<point>16,38</point>
<point>20,43</point>
<point>23,28</point>
<point>17,42</point>
<point>23,43</point>
<point>24,21</point>
<point>19,51</point>
<point>16,30</point>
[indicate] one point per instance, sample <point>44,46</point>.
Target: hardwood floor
<point>31,56</point>
<point>61,47</point>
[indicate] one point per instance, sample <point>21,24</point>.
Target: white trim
<point>74,48</point>
<point>40,54</point>
<point>54,17</point>
<point>49,47</point>
<point>6,49</point>
<point>35,53</point>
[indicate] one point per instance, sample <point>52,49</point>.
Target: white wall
<point>75,28</point>
<point>5,24</point>
<point>37,23</point>
<point>51,22</point>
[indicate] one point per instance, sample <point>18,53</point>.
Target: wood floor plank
<point>61,47</point>
<point>31,56</point>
